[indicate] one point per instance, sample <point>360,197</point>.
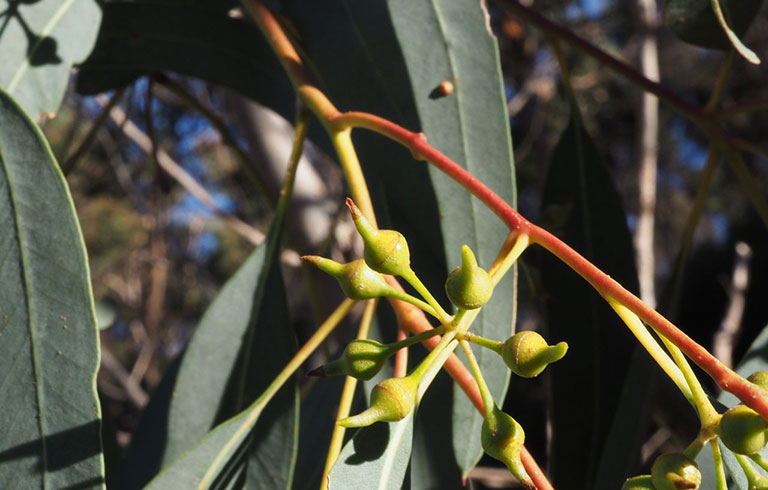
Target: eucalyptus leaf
<point>198,39</point>
<point>376,458</point>
<point>587,383</point>
<point>451,40</point>
<point>49,350</point>
<point>695,22</point>
<point>39,43</point>
<point>242,342</point>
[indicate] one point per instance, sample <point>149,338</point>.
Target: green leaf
<point>450,40</point>
<point>197,39</point>
<point>49,351</point>
<point>242,342</point>
<point>587,383</point>
<point>695,22</point>
<point>376,458</point>
<point>39,42</point>
<point>388,59</point>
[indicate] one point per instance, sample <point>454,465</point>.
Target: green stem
<point>754,478</point>
<point>760,460</point>
<point>500,267</point>
<point>639,330</point>
<point>347,394</point>
<point>420,288</point>
<point>87,141</point>
<point>293,365</point>
<point>403,296</point>
<point>394,347</point>
<point>491,344</point>
<point>485,392</point>
<point>748,183</point>
<point>743,108</point>
<point>717,457</point>
<point>722,75</point>
<point>707,413</point>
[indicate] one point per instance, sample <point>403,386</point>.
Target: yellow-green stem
<point>342,143</point>
<point>420,288</point>
<point>760,460</point>
<point>717,457</point>
<point>754,478</point>
<point>491,344</point>
<point>707,413</point>
<point>640,331</point>
<point>298,359</point>
<point>347,394</point>
<point>426,307</point>
<point>485,392</point>
<point>500,267</point>
<point>748,183</point>
<point>722,75</point>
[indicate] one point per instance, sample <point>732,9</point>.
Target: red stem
<point>413,319</point>
<point>727,379</point>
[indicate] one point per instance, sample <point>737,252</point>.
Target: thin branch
<point>648,143</point>
<point>181,176</point>
<point>90,136</point>
<point>129,383</point>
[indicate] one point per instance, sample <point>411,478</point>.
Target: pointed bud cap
<point>503,438</point>
<point>362,359</point>
<point>675,471</point>
<point>642,482</point>
<point>743,430</point>
<point>357,280</point>
<point>527,354</point>
<point>469,286</point>
<point>386,251</point>
<point>391,400</point>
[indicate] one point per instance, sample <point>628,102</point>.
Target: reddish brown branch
<point>728,380</point>
<point>414,320</point>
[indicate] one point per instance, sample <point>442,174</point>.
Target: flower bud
<point>357,280</point>
<point>391,400</point>
<point>527,354</point>
<point>760,378</point>
<point>642,482</point>
<point>743,430</point>
<point>675,471</point>
<point>502,438</point>
<point>386,251</point>
<point>469,286</point>
<point>362,359</point>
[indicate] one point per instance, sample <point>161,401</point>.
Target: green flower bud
<point>527,354</point>
<point>391,400</point>
<point>362,359</point>
<point>743,430</point>
<point>357,280</point>
<point>502,438</point>
<point>469,286</point>
<point>642,482</point>
<point>386,251</point>
<point>675,471</point>
<point>760,378</point>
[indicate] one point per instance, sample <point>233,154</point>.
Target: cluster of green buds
<point>743,430</point>
<point>468,287</point>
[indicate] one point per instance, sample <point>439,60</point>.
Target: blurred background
<point>174,194</point>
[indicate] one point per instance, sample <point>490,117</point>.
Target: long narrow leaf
<point>49,352</point>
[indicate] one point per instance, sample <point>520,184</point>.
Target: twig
<point>181,176</point>
<point>86,143</point>
<point>132,388</point>
<point>649,151</point>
